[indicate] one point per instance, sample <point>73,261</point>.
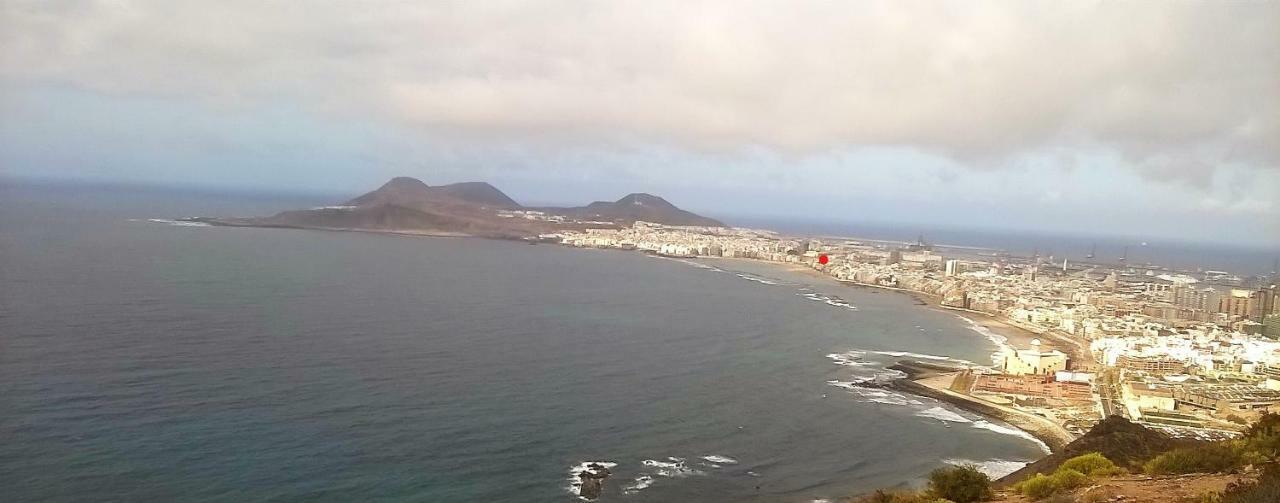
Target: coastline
<point>925,379</point>
<point>1015,334</point>
<point>933,382</point>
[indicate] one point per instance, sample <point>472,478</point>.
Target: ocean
<point>145,360</point>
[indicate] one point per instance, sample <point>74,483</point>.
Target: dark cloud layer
<point>1178,88</point>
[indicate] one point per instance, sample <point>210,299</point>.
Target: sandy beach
<point>1015,336</point>
<point>931,382</point>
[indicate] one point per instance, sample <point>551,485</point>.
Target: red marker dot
<point>822,259</point>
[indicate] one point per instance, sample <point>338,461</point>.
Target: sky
<point>1149,118</point>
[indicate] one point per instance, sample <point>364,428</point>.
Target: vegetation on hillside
<point>1256,452</point>
<point>955,484</point>
<point>1073,473</point>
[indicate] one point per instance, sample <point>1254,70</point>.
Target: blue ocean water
<point>147,361</point>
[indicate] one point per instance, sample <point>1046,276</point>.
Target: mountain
<point>411,192</point>
<point>408,205</point>
<point>639,206</point>
<point>479,193</point>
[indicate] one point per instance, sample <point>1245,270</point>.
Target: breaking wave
<point>942,414</point>
<point>179,223</point>
<point>673,467</point>
<point>724,460</point>
<point>639,484</point>
<point>1001,342</point>
<point>865,377</point>
<point>1006,430</point>
<point>994,468</point>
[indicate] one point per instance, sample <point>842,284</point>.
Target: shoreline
<point>1053,436</point>
<point>1050,434</point>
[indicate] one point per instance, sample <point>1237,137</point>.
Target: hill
<point>1124,442</point>
<point>407,205</point>
<point>638,206</point>
<point>411,192</point>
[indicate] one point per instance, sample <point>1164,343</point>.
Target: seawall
<point>1042,429</point>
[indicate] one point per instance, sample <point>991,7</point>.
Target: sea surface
<point>143,360</point>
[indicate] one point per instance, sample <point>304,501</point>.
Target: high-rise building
<point>1271,326</point>
<point>1268,301</point>
<point>1188,297</point>
<point>1242,303</point>
<point>895,256</point>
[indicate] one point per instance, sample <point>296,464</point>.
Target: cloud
<point>1177,88</point>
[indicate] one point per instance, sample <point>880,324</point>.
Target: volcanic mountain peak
<point>643,199</point>
<point>404,183</point>
<point>478,192</point>
<point>398,189</point>
<point>412,192</point>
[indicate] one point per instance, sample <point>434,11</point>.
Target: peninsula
<point>406,205</point>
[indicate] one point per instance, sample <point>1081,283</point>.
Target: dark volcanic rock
<point>593,480</point>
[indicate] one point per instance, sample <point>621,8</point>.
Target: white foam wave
<point>900,400</point>
<point>1001,342</point>
<point>942,414</point>
<point>179,223</point>
<point>1006,430</point>
<point>674,467</point>
<point>849,359</point>
<point>716,458</point>
<point>994,468</point>
<point>880,396</point>
<point>641,483</point>
<point>900,354</point>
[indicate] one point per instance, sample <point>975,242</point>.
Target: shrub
<point>1263,437</point>
<point>1066,480</point>
<point>1043,486</point>
<point>1208,458</point>
<point>961,484</point>
<point>1265,490</point>
<point>1092,464</point>
<point>882,496</point>
<point>1036,487</point>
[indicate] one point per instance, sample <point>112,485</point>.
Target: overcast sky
<point>1156,118</point>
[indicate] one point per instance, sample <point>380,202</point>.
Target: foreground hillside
<point>1119,461</point>
<point>1139,489</point>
